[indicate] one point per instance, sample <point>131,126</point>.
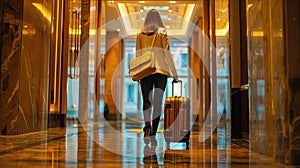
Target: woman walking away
<point>153,85</point>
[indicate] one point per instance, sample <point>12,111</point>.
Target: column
<point>84,63</point>
<point>24,66</point>
<point>111,63</point>
<point>293,54</point>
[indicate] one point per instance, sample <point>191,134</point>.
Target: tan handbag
<point>143,65</point>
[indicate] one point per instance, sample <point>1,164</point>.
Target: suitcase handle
<point>174,82</point>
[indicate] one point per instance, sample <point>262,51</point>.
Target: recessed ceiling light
<point>142,1</point>
<point>111,1</point>
<point>172,2</point>
<point>170,10</point>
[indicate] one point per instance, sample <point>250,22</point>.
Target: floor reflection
<point>120,144</point>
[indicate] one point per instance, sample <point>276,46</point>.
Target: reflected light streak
<point>46,13</point>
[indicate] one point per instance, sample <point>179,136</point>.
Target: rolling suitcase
<point>177,117</point>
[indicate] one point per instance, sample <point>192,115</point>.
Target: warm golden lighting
<point>174,32</point>
<point>222,32</point>
<point>46,13</point>
<point>186,21</point>
<point>249,6</point>
<point>262,34</point>
<point>257,33</point>
<point>91,33</point>
<point>127,23</point>
<point>28,31</point>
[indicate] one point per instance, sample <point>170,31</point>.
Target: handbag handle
<point>152,43</point>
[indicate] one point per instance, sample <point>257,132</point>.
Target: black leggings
<point>153,88</point>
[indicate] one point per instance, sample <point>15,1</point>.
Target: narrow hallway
<point>67,97</point>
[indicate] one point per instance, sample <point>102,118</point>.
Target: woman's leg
<point>160,82</point>
<point>147,87</point>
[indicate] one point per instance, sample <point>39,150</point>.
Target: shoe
<point>147,134</point>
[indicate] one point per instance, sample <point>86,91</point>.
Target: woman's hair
<point>152,22</point>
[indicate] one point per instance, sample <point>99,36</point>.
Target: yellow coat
<point>164,61</point>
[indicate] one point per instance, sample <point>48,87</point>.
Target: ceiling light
<point>118,30</point>
<point>142,1</point>
<point>170,10</point>
<point>172,2</point>
<point>141,10</point>
<point>111,1</point>
<point>169,18</point>
<point>219,19</point>
<point>158,8</point>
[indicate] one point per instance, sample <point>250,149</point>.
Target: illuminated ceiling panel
<point>176,17</point>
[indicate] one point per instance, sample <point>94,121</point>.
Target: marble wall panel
<point>10,66</point>
<point>24,66</point>
<point>257,56</point>
<point>271,91</point>
<point>34,60</point>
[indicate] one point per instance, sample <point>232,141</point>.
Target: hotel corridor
<point>76,146</point>
<point>67,98</point>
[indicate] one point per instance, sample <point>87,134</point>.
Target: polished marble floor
<point>120,144</point>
